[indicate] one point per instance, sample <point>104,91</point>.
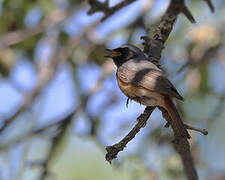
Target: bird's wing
<point>143,73</point>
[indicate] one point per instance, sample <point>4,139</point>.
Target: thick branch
<point>154,46</point>
<point>183,148</point>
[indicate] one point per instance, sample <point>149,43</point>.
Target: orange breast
<point>147,97</point>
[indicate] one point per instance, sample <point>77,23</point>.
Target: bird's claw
<point>138,99</point>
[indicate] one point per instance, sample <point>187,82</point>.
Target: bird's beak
<point>112,53</point>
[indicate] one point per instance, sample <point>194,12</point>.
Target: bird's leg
<point>127,102</point>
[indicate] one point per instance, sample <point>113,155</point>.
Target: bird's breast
<point>140,94</point>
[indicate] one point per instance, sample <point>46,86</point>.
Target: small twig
<point>203,131</point>
<point>97,6</point>
<point>113,150</point>
<point>210,4</point>
<point>188,14</point>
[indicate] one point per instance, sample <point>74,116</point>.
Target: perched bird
<point>143,82</point>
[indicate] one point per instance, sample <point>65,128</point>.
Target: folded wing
<point>143,73</point>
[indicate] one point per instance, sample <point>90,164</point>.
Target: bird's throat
<point>119,61</point>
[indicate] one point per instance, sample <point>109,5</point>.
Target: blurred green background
<point>52,65</point>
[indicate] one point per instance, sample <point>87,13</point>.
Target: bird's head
<point>124,53</point>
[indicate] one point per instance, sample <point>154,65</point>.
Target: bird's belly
<point>141,95</point>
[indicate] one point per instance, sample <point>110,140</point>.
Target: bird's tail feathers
<point>177,123</point>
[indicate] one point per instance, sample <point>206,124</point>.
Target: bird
<point>142,81</point>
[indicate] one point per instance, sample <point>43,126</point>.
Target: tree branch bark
<point>113,150</point>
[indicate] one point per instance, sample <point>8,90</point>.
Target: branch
<point>210,4</point>
<point>154,46</point>
<point>113,150</point>
<point>182,147</point>
<point>97,6</point>
<point>167,117</point>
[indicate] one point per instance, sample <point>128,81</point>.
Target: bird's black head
<point>124,53</point>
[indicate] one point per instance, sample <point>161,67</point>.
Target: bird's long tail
<point>177,123</point>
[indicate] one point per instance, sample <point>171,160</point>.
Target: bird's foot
<point>138,99</point>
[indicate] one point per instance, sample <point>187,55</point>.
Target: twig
<point>97,6</point>
<point>203,131</point>
<point>113,150</point>
<point>210,4</point>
